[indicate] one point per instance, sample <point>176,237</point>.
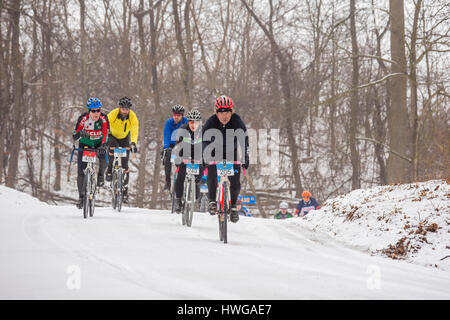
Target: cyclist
<point>283,213</point>
<point>224,123</point>
<point>170,128</point>
<point>189,138</point>
<point>241,210</point>
<point>124,129</point>
<point>306,205</point>
<point>91,130</point>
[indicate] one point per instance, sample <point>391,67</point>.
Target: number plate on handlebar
<point>120,152</point>
<point>193,168</point>
<point>225,169</point>
<point>89,156</point>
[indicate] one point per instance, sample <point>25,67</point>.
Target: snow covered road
<point>51,252</point>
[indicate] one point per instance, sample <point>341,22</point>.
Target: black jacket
<point>214,151</point>
<point>189,143</point>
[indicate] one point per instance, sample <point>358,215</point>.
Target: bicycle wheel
<point>226,208</point>
<point>119,189</point>
<point>184,212</point>
<point>190,211</point>
<point>86,185</point>
<point>114,189</point>
<point>92,190</point>
<point>172,191</point>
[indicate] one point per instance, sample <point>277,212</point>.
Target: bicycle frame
<point>117,180</point>
<point>189,194</point>
<point>223,200</point>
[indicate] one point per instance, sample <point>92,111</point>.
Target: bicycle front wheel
<point>191,203</point>
<point>114,187</point>
<point>119,189</point>
<point>86,185</point>
<point>225,207</point>
<point>92,190</point>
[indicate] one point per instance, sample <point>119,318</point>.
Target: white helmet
<point>194,115</point>
<point>284,205</point>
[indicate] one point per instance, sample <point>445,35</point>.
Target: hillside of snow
<point>409,222</point>
<point>51,252</point>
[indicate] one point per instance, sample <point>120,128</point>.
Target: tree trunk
<point>398,169</point>
<point>156,95</point>
<point>413,84</point>
<point>16,60</point>
<point>180,45</point>
<point>141,177</point>
<point>354,102</point>
<point>84,85</point>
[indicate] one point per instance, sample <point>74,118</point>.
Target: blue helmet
<point>93,103</point>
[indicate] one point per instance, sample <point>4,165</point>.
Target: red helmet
<point>306,194</point>
<point>224,102</point>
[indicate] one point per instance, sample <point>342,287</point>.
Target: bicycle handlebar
<point>126,148</point>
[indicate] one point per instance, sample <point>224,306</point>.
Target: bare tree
<point>398,169</point>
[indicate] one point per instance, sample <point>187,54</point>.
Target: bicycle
<point>223,195</point>
<point>172,185</point>
<point>204,197</point>
<point>90,179</point>
<point>118,174</point>
<point>189,191</point>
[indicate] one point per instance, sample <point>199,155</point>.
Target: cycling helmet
<point>125,102</point>
<point>194,115</point>
<point>93,103</point>
<point>178,109</point>
<point>224,103</point>
<point>306,194</point>
<point>284,205</point>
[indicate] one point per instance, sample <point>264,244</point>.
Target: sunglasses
<point>95,111</point>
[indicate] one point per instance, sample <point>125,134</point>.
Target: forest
<point>350,94</point>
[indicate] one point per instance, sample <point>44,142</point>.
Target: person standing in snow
<point>283,213</point>
<point>242,211</point>
<point>170,128</point>
<point>306,204</point>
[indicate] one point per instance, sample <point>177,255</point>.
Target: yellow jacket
<point>120,128</point>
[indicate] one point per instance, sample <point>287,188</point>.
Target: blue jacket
<point>170,132</point>
<point>304,208</point>
<point>244,212</point>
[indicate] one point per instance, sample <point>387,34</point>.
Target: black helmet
<point>194,115</point>
<point>178,109</point>
<point>125,102</point>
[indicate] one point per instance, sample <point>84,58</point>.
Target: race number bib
<point>89,156</point>
<point>118,152</point>
<point>225,169</point>
<point>193,168</point>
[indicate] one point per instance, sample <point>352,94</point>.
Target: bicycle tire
<point>119,189</point>
<point>220,213</point>
<point>85,194</point>
<point>93,190</point>
<point>186,202</point>
<point>172,192</point>
<point>114,189</point>
<point>226,207</point>
<point>190,212</point>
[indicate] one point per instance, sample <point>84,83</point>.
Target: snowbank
<point>409,222</point>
